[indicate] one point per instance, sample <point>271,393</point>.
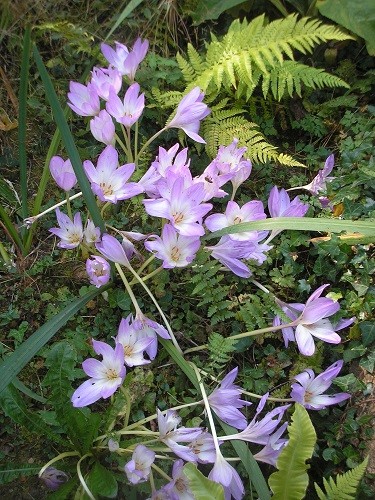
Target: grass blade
<point>129,7</point>
<point>68,141</point>
<point>13,364</point>
<point>22,98</point>
<point>11,229</point>
<point>366,227</point>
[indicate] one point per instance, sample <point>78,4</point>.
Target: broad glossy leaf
<point>201,487</point>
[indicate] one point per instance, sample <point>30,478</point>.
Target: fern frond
<point>195,59</point>
<point>346,484</point>
<point>220,350</point>
<point>166,99</point>
<point>187,69</point>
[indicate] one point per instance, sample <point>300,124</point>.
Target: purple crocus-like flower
<point>259,431</point>
<point>319,183</point>
<point>130,109</point>
<point>178,488</point>
<point>229,160</point>
<point>70,232</point>
<point>62,173</point>
<point>98,270</point>
<point>53,478</point>
<point>189,113</point>
<point>229,253</point>
<point>103,80</point>
<point>170,160</point>
<point>108,180</point>
<point>124,61</point>
<point>103,128</point>
<point>225,401</point>
<point>106,375</point>
<point>309,388</point>
<point>139,467</point>
<point>174,249</point>
<point>270,453</point>
<point>203,448</point>
<point>224,474</point>
<point>251,211</point>
<point>112,250</point>
<point>212,180</point>
<point>133,344</point>
<point>84,99</point>
<point>91,233</point>
<point>171,435</point>
<point>183,208</point>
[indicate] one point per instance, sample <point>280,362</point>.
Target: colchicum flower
<point>190,112</point>
<point>124,61</point>
<point>98,270</point>
<point>53,478</point>
<point>279,205</point>
<point>70,232</point>
<point>112,250</point>
<point>108,180</point>
<point>223,473</point>
<point>84,100</point>
<point>130,109</point>
<point>139,467</point>
<point>104,80</point>
<point>319,183</point>
<point>106,375</point>
<point>310,320</point>
<point>133,344</point>
<point>62,173</point>
<point>175,250</point>
<point>103,128</point>
<point>309,388</point>
<point>225,401</point>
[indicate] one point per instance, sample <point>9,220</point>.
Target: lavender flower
<point>223,473</point>
<point>139,467</point>
<point>98,270</point>
<point>203,448</point>
<point>62,173</point>
<point>133,344</point>
<point>70,232</point>
<point>112,250</point>
<point>175,250</point>
<point>270,453</point>
<point>251,211</point>
<point>309,388</point>
<point>104,80</point>
<point>225,401</point>
<point>91,234</point>
<point>319,183</point>
<point>183,208</point>
<point>229,254</point>
<point>130,109</point>
<point>106,375</point>
<point>189,113</point>
<point>108,180</point>
<point>229,160</point>
<point>310,320</point>
<point>53,478</point>
<point>212,180</point>
<point>103,128</point>
<point>84,100</point>
<point>124,61</point>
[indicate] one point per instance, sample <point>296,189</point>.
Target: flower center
<point>237,220</point>
<point>175,254</point>
<point>178,217</point>
<point>106,188</point>
<point>111,374</point>
<point>74,238</point>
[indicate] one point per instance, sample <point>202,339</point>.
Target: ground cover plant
<point>198,339</point>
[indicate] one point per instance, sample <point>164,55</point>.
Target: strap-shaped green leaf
<point>291,479</point>
<point>14,363</point>
<point>69,143</point>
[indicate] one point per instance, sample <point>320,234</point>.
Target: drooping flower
<point>103,80</point>
<point>225,401</point>
<point>62,173</point>
<point>189,113</point>
<point>319,183</point>
<point>108,180</point>
<point>124,61</point>
<point>106,375</point>
<point>259,431</point>
<point>251,211</point>
<point>175,250</point>
<point>133,344</point>
<point>183,208</point>
<point>310,320</point>
<point>139,467</point>
<point>270,453</point>
<point>112,250</point>
<point>84,99</point>
<point>308,390</point>
<point>53,478</point>
<point>70,232</point>
<point>223,473</point>
<point>103,128</point>
<point>230,253</point>
<point>130,109</point>
<point>98,270</point>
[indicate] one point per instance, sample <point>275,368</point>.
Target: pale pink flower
<point>63,173</point>
<point>130,109</point>
<point>84,99</point>
<point>70,232</point>
<point>98,270</point>
<point>103,128</point>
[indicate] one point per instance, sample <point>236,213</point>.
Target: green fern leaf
<point>346,484</point>
<point>187,69</point>
<point>195,59</point>
<point>291,479</point>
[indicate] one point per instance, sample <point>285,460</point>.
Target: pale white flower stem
<point>161,472</point>
<point>126,133</point>
<point>57,458</point>
<point>208,409</point>
<point>81,478</point>
<point>31,220</point>
<point>128,289</point>
<point>68,207</point>
<point>147,143</point>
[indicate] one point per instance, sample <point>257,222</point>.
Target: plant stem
<point>128,289</point>
<point>147,143</point>
<point>126,133</point>
<point>30,220</point>
<point>56,459</point>
<point>81,479</point>
<point>128,405</point>
<point>161,472</point>
<point>123,147</point>
<point>68,207</point>
<point>136,132</point>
